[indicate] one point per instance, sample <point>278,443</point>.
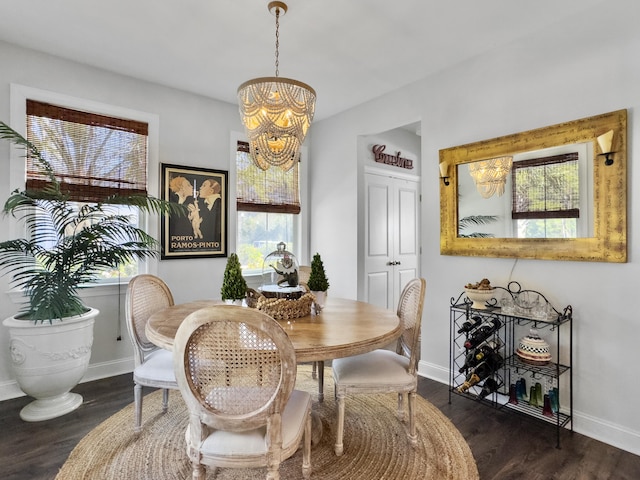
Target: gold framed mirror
<point>602,212</point>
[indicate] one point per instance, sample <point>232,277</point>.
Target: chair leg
<point>400,411</point>
<point>413,436</point>
<point>314,370</point>
<point>273,472</point>
<point>137,403</point>
<point>320,381</point>
<point>339,447</point>
<point>165,400</point>
<point>306,452</point>
<point>198,471</point>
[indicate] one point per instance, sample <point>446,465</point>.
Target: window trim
<point>19,94</point>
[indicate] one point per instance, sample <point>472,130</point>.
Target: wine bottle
<point>479,373</point>
<point>476,355</point>
<point>481,333</point>
<point>469,361</point>
<point>490,386</point>
<point>470,325</point>
<point>484,369</point>
<point>471,380</point>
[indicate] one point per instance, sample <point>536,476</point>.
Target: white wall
<point>570,71</point>
<point>194,131</point>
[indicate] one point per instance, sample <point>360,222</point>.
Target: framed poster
<point>202,232</point>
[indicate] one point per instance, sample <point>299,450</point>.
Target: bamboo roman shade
<point>546,187</point>
<point>93,156</point>
<point>271,191</point>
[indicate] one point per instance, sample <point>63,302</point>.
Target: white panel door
<point>391,237</point>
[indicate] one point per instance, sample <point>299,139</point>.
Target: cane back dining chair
<point>385,371</point>
<point>304,272</point>
<point>153,366</point>
<point>236,368</point>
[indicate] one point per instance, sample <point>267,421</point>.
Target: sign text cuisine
<point>395,160</point>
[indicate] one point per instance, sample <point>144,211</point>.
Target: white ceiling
<point>348,51</point>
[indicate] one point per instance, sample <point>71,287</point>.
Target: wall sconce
<point>605,141</point>
<point>444,170</point>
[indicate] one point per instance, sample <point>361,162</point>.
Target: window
<point>546,196</point>
<point>94,156</point>
<point>268,203</point>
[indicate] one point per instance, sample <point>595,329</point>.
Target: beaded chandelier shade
<point>276,112</point>
<point>490,176</point>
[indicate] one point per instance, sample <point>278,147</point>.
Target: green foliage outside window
<point>258,235</point>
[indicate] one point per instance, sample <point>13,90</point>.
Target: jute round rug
<point>375,442</point>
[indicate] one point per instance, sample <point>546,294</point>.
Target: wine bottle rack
<point>517,311</point>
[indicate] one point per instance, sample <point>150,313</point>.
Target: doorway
<point>389,219</point>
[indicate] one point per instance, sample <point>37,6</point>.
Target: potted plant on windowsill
<point>65,249</point>
<point>234,286</point>
<point>318,282</point>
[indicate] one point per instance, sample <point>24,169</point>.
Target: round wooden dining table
<point>343,328</point>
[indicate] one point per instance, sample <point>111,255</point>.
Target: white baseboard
<point>10,389</point>
<point>433,372</point>
<point>96,371</point>
<point>606,432</point>
<point>596,428</point>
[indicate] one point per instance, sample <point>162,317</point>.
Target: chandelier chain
<point>276,112</point>
<point>277,41</point>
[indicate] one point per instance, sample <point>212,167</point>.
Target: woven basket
<point>281,308</point>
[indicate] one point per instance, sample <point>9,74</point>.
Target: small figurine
<point>288,273</point>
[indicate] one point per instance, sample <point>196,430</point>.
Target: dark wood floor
<point>505,445</point>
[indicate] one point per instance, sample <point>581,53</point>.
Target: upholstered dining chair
<point>385,371</point>
<point>236,368</point>
<point>153,366</point>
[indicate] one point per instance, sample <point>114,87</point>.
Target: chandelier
<point>276,112</point>
<point>490,176</point>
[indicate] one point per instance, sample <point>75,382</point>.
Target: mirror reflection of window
<point>546,196</point>
<point>551,197</point>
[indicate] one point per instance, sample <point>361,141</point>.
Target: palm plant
<point>67,246</point>
<point>472,220</point>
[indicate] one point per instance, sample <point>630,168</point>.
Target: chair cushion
<point>253,442</point>
<point>157,367</point>
<point>373,368</point>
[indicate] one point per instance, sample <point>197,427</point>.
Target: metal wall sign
<point>395,160</point>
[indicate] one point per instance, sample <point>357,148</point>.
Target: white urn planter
<point>49,360</point>
<point>321,297</point>
<point>230,301</point>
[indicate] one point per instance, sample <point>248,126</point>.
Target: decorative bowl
<point>479,297</point>
<point>533,350</point>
